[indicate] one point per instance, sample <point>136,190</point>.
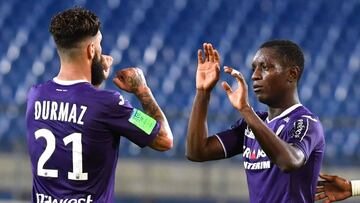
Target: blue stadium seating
<point>162,38</point>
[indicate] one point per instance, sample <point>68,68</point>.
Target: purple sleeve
<point>307,134</point>
<point>232,140</point>
<point>118,114</point>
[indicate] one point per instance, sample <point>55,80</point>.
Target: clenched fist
<point>131,80</point>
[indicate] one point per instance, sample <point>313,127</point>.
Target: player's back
<point>73,149</point>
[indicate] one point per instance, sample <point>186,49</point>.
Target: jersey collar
<point>67,82</point>
<point>284,113</point>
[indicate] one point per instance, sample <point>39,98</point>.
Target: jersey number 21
<point>75,138</point>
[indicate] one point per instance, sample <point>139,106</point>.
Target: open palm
<point>238,97</point>
<point>208,69</point>
<point>332,189</point>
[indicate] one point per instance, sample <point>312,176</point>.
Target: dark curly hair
<point>72,26</point>
<point>290,53</point>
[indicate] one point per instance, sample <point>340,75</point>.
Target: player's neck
<point>74,71</point>
<point>275,110</point>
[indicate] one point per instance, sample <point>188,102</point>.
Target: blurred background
<point>162,37</point>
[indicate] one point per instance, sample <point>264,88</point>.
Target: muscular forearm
<point>197,128</point>
<point>151,107</point>
<point>281,153</point>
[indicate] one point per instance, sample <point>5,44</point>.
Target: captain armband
<point>142,121</point>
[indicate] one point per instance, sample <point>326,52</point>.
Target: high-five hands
<point>208,69</point>
<point>208,73</point>
<point>239,97</point>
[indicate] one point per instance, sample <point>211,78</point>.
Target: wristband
<point>355,186</point>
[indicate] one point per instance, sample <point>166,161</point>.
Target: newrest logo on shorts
<point>41,198</point>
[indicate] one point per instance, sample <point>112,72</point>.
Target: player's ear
<point>90,50</point>
<point>293,74</point>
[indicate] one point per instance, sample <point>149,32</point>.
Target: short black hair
<point>289,52</point>
<point>71,26</point>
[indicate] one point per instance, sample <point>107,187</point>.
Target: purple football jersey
<point>73,134</point>
<point>266,182</point>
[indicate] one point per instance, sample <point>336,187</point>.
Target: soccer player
<point>335,188</point>
<point>74,128</point>
<point>282,148</point>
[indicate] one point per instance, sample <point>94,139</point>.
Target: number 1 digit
<point>75,138</point>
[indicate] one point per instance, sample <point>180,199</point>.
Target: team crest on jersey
<point>300,128</point>
<point>249,133</point>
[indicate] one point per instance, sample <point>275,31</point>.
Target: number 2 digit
<point>75,138</point>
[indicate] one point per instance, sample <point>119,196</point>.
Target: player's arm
<point>334,188</point>
<point>284,155</point>
<point>200,147</point>
<point>132,80</point>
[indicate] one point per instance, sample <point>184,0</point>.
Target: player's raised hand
<point>208,69</point>
<point>332,189</point>
<point>131,80</point>
<point>239,97</point>
<point>106,62</point>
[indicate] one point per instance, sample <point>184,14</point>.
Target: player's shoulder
<point>303,119</point>
<point>111,97</point>
<point>41,85</point>
<point>36,89</point>
<point>302,113</point>
<point>106,94</point>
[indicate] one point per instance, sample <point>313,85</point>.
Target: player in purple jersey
<point>283,148</point>
<point>74,128</point>
<point>334,188</point>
